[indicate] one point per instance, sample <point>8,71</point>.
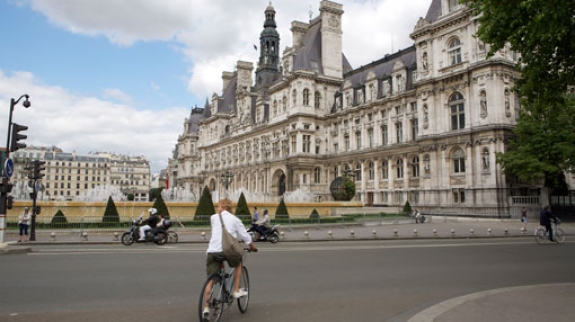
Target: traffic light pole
<point>6,186</point>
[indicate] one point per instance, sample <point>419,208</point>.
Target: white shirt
<point>233,225</point>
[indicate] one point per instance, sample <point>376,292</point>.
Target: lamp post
<point>5,185</point>
<point>226,179</point>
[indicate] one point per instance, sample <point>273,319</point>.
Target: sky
<point>121,76</point>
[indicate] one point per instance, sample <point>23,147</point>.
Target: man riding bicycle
<point>545,218</point>
<point>214,253</point>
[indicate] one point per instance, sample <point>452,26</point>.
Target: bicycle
<point>558,233</point>
<point>221,294</point>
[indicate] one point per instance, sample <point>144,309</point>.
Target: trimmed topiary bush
<point>407,208</point>
<point>282,212</point>
<point>59,219</point>
<point>242,210</point>
<point>314,215</point>
<point>205,207</point>
<point>161,207</point>
<point>111,213</point>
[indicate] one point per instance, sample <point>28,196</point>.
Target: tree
<point>543,33</point>
<point>161,207</point>
<point>543,146</point>
<point>242,210</point>
<point>154,193</point>
<point>59,219</point>
<point>281,211</point>
<point>314,215</point>
<point>407,208</point>
<point>111,213</point>
<point>205,207</point>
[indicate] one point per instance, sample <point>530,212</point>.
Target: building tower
<point>269,50</point>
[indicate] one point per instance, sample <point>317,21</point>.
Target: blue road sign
<point>9,168</point>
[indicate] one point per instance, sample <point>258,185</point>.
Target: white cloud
<point>83,124</point>
<point>116,94</point>
<point>214,34</point>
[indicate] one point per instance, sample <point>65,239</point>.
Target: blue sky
<point>121,76</point>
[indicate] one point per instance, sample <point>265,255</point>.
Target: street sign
<point>9,167</point>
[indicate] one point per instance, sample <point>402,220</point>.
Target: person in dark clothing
<point>149,223</point>
<point>545,218</point>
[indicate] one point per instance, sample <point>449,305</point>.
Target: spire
<point>269,49</point>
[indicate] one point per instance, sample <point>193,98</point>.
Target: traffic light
<point>38,168</point>
<point>15,143</point>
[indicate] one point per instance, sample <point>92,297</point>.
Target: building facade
<point>421,125</point>
<point>69,176</point>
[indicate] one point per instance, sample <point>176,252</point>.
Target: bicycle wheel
<point>540,234</point>
<point>559,236</point>
<point>172,237</point>
<point>212,298</point>
<point>244,284</point>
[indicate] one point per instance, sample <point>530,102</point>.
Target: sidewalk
<point>525,303</point>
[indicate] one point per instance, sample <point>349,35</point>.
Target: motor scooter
<point>272,235</point>
<point>154,235</point>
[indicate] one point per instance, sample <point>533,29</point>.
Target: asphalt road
<point>320,281</point>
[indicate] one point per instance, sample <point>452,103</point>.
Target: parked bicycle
<point>220,296</point>
<point>541,234</point>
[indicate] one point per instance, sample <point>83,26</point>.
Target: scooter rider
<point>264,224</point>
<point>149,223</point>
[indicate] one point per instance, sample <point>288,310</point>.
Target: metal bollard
<point>53,236</point>
<point>488,231</point>
<point>472,232</point>
<point>330,234</point>
<point>352,234</point>
<point>116,234</point>
<point>415,232</point>
<point>85,236</point>
<point>374,234</point>
<point>434,232</point>
<point>452,232</point>
<point>306,234</point>
<point>282,235</point>
<point>395,232</point>
<point>203,235</point>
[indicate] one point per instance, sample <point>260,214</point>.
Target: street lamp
<point>5,185</point>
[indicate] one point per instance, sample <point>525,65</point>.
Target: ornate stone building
<point>419,125</point>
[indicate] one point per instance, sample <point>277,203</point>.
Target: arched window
<point>399,168</point>
<point>455,51</point>
<point>456,104</point>
<point>306,97</point>
<point>415,167</point>
<point>458,161</point>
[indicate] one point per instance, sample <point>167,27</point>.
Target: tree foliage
<point>242,210</point>
<point>161,207</point>
<point>59,218</point>
<point>543,33</point>
<point>281,211</point>
<point>111,212</point>
<point>205,207</point>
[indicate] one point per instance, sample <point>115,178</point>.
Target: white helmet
<point>152,211</point>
